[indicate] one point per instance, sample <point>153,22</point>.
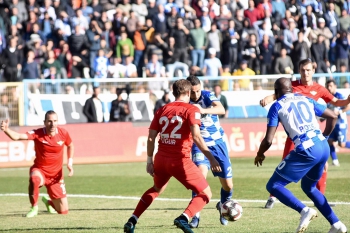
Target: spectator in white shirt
<point>116,70</point>
<point>62,26</point>
<point>49,9</point>
<point>131,70</point>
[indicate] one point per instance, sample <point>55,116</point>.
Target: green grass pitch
<point>106,209</point>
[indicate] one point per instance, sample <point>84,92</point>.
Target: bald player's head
<point>283,86</point>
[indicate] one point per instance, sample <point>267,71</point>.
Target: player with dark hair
<point>340,129</point>
<point>177,124</point>
<point>297,114</point>
<point>212,133</point>
<point>307,87</point>
<point>47,170</point>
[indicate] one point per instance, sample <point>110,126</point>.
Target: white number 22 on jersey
<point>173,133</point>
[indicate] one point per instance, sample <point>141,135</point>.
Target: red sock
<point>33,190</point>
<point>196,205</point>
<point>145,201</point>
<point>322,183</point>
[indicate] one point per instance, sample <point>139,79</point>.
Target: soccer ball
<point>231,210</point>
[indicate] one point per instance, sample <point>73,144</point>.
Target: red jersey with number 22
<point>173,122</point>
<point>315,91</point>
<point>49,149</point>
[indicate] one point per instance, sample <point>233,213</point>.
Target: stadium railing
<point>62,94</point>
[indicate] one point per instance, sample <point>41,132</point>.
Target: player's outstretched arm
<point>197,138</point>
<point>10,133</point>
<point>217,108</point>
<point>268,99</point>
<point>331,120</point>
<point>265,145</point>
<point>70,154</point>
<point>340,103</point>
<point>152,135</point>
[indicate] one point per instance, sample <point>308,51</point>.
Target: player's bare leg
<point>61,205</point>
<point>36,180</point>
<point>195,220</point>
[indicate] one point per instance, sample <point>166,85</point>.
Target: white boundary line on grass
<point>158,199</point>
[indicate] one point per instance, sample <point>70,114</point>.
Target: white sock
<point>186,216</point>
<point>304,210</point>
<point>198,214</point>
<point>337,224</point>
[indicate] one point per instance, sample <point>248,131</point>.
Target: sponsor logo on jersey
<point>60,143</point>
<point>45,142</point>
<point>31,132</point>
<point>313,92</point>
<point>197,115</point>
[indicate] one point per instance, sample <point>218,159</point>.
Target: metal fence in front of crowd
<point>28,101</point>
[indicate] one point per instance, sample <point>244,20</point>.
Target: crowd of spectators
<point>53,39</point>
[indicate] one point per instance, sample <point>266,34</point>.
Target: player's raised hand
<point>259,160</point>
<point>4,125</point>
<point>263,103</point>
<point>215,166</point>
<point>150,169</point>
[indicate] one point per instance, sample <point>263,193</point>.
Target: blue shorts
<point>308,163</point>
<point>220,152</point>
<point>338,134</point>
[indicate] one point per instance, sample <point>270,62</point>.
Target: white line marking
<point>159,198</point>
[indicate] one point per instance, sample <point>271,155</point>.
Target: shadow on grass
<point>122,209</point>
<point>53,229</point>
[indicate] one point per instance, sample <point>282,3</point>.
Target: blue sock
<point>225,196</point>
<point>276,186</point>
<point>333,153</point>
<point>194,194</point>
<point>320,201</point>
<point>347,144</point>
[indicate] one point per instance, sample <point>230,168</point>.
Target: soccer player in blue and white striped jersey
<point>210,107</point>
<point>340,130</point>
<point>297,114</point>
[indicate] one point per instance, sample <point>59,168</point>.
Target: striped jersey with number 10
<point>297,115</point>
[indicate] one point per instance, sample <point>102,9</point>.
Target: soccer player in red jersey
<point>306,86</point>
<point>49,142</point>
<point>178,126</point>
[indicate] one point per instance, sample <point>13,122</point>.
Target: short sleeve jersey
<point>211,129</point>
<point>315,91</point>
<point>342,118</point>
<point>173,122</point>
<point>49,149</point>
<point>297,115</point>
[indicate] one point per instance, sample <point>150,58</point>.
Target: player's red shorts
<point>183,169</point>
<point>288,147</point>
<point>55,185</point>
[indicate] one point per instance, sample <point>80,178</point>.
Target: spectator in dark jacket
<point>78,43</point>
<point>12,58</point>
<point>120,108</point>
<point>341,46</point>
<point>93,108</point>
<point>179,34</point>
<point>266,55</point>
<point>320,55</point>
<point>161,102</point>
<point>300,51</point>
